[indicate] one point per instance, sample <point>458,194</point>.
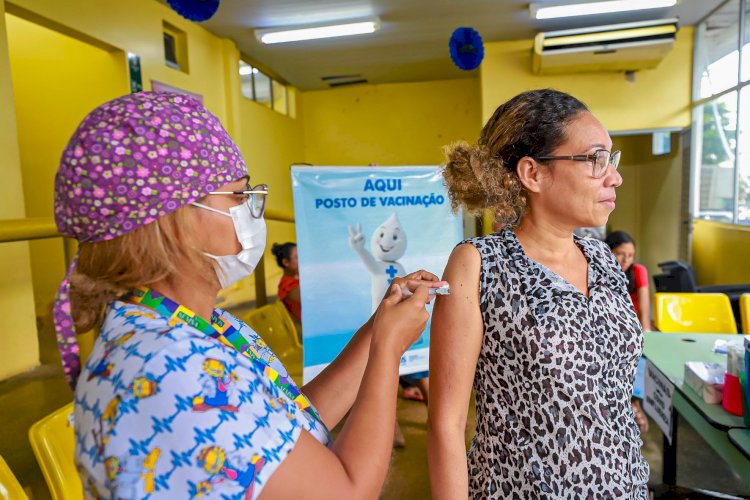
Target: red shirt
<point>286,285</point>
<point>641,280</point>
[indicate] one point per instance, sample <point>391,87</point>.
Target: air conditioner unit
<point>616,47</point>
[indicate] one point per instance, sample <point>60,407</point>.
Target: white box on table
<point>706,379</point>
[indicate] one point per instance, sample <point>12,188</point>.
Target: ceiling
<point>412,43</point>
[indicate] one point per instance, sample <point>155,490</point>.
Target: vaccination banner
<point>357,229</point>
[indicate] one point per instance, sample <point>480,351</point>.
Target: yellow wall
<point>390,124</point>
<point>626,216</point>
<point>120,26</point>
<point>271,142</point>
<point>720,253</point>
<point>136,26</point>
<point>57,81</point>
<point>395,124</point>
<point>84,77</point>
<point>658,98</point>
<point>19,350</point>
<point>649,204</point>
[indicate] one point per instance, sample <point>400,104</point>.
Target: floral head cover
<point>129,162</point>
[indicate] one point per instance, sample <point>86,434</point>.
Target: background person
<point>288,291</point>
<point>623,248</point>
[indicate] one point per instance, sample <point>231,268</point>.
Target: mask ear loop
<point>211,209</point>
<point>65,330</point>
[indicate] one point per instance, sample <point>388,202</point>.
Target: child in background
<point>286,258</point>
<point>623,248</point>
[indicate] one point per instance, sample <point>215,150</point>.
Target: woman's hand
<point>334,389</point>
<point>355,465</point>
<point>399,321</point>
<point>414,280</point>
<point>399,326</point>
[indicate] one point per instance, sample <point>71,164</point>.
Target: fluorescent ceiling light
<point>281,35</point>
<point>542,11</point>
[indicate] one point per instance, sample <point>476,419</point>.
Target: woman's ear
<point>530,173</point>
<point>285,262</point>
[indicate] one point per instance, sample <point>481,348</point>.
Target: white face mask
<point>251,233</point>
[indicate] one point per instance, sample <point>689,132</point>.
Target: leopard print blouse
<point>554,380</point>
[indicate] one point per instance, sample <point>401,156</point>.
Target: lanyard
<point>221,329</point>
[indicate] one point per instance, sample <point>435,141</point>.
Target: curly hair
<point>483,175</point>
<point>108,269</point>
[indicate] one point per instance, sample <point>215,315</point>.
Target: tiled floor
<point>29,397</point>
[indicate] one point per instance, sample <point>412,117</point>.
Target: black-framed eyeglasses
<point>255,198</point>
<point>600,160</point>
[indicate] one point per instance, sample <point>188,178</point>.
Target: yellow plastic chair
<point>290,325</point>
<point>10,488</point>
<point>54,446</point>
<point>745,311</point>
<point>273,323</point>
<point>693,313</point>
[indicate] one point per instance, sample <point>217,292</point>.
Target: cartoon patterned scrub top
<point>171,406</point>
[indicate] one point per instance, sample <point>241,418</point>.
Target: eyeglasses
<point>600,160</point>
<point>255,198</point>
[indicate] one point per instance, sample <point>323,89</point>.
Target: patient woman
<point>539,322</point>
<point>179,399</point>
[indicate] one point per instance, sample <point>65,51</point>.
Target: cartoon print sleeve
<point>200,420</point>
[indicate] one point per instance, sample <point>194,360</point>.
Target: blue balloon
<point>195,10</point>
<point>466,48</point>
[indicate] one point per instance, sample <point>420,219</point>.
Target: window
<point>170,51</point>
<point>743,165</point>
<point>263,89</point>
<point>175,47</point>
<point>721,116</point>
<point>717,54</point>
<point>246,80</point>
<point>717,120</point>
